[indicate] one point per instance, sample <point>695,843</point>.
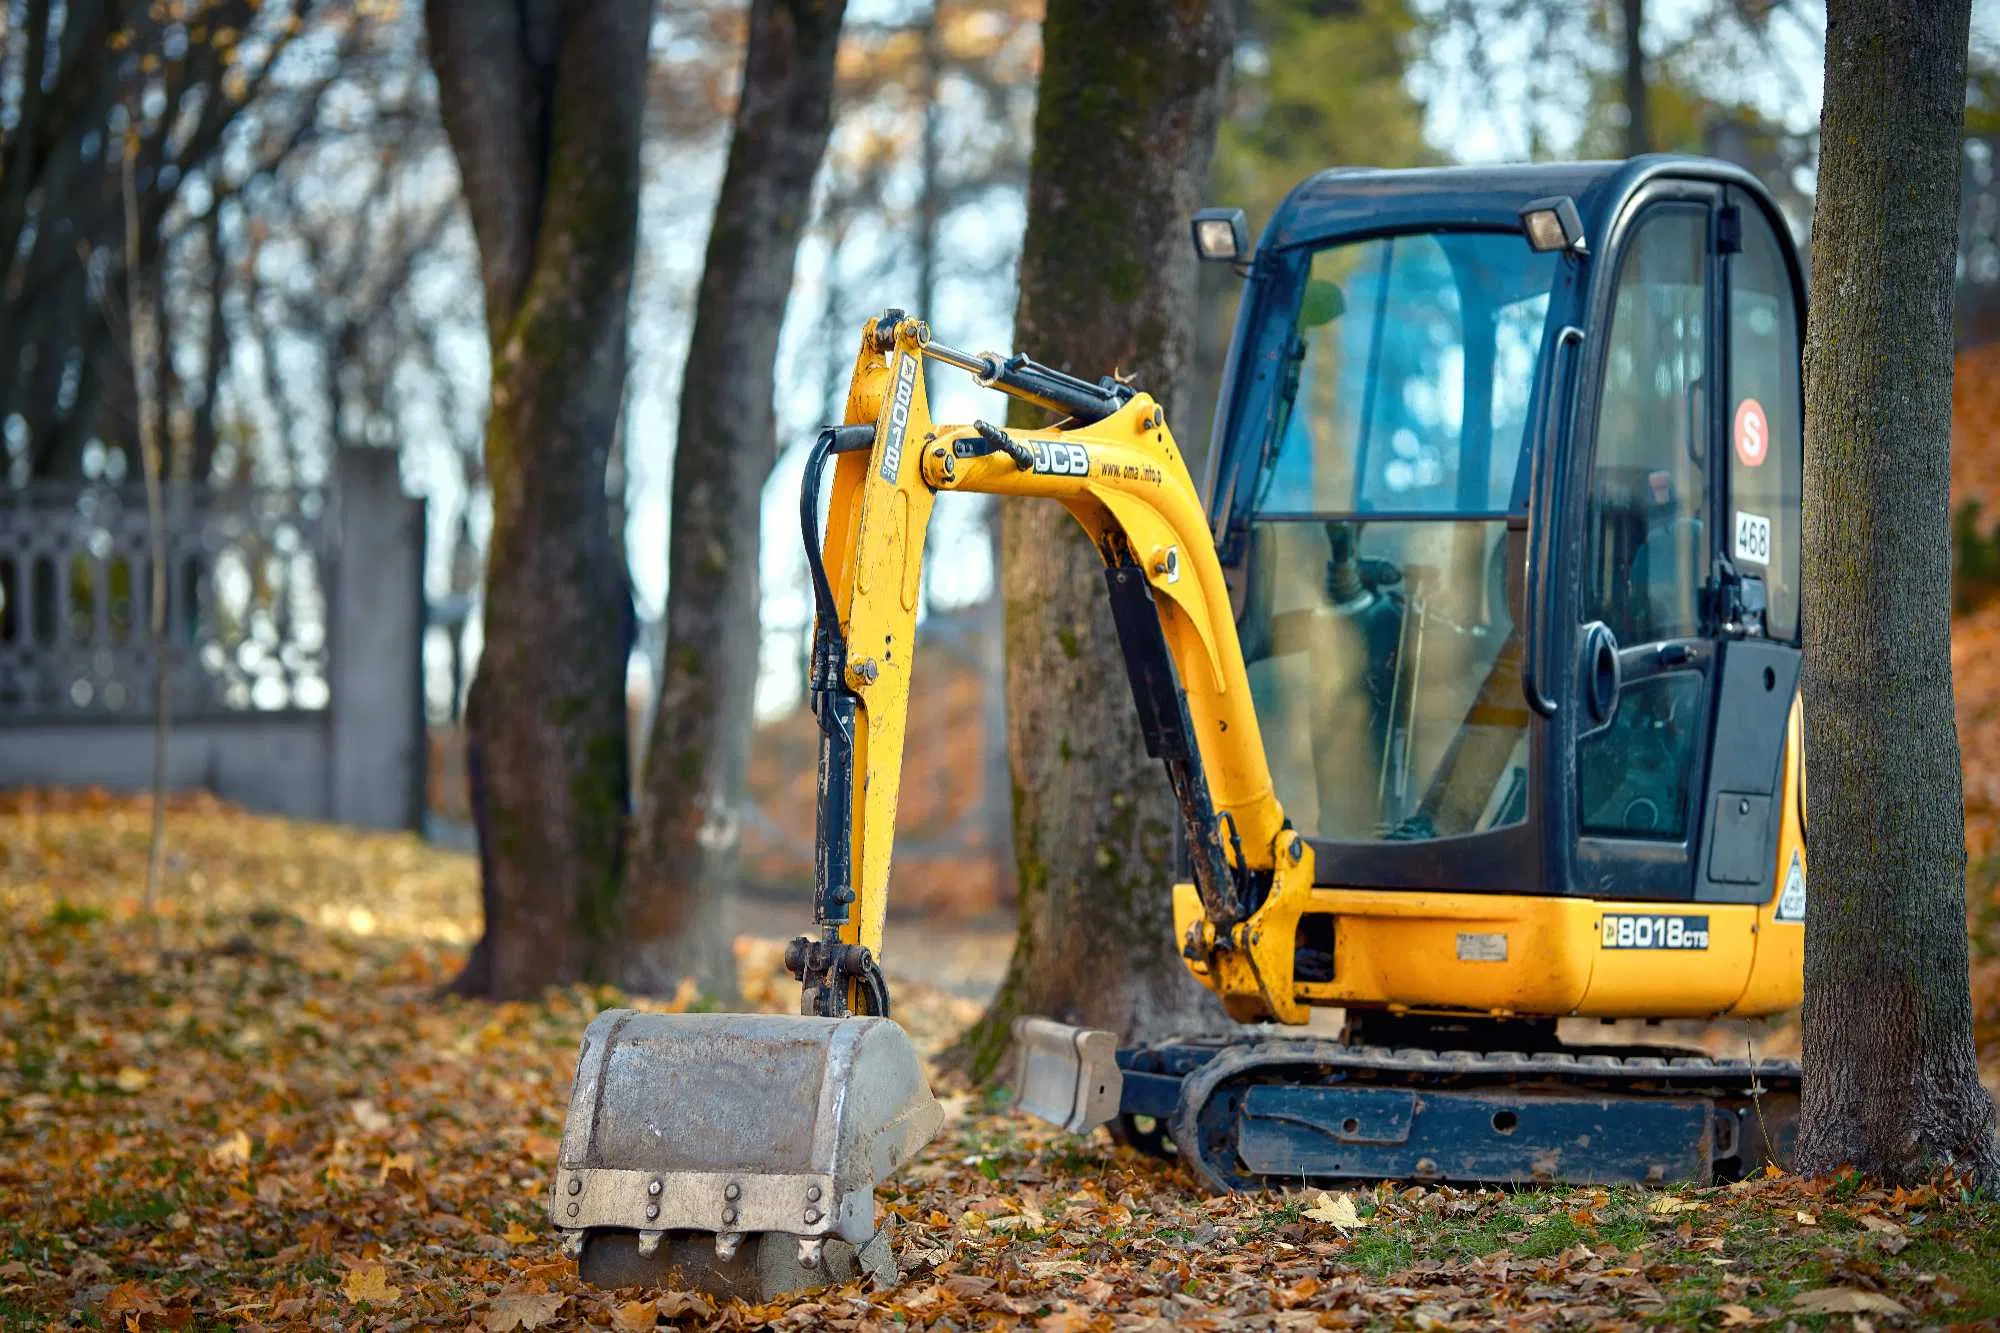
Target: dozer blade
<point>1066,1075</point>
<point>735,1153</point>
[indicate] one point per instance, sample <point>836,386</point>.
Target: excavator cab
<point>1511,522</point>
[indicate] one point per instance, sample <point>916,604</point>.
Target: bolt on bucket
<point>736,1154</point>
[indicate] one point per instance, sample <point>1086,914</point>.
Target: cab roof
<point>1347,201</point>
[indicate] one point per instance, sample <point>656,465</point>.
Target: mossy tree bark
<point>1131,95</point>
<point>685,840</point>
<point>1891,1080</point>
<point>543,102</point>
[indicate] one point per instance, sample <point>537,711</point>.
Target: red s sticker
<point>1753,433</point>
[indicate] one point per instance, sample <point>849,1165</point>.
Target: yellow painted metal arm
<point>1123,478</point>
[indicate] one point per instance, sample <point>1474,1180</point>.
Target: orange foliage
<point>945,864</point>
<point>1975,429</point>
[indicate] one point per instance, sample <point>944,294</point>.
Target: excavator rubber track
<point>1246,1115</point>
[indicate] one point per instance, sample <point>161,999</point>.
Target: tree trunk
<point>685,841</point>
<point>543,103</point>
<point>1891,1079</point>
<point>215,334</point>
<point>1130,98</point>
<point>1638,124</point>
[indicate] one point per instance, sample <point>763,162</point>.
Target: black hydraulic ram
<point>1032,382</point>
<point>825,966</point>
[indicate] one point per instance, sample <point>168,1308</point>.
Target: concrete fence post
<point>375,650</point>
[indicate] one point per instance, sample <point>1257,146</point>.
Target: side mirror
<point>1221,236</point>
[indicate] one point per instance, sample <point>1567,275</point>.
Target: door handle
<point>1544,507</point>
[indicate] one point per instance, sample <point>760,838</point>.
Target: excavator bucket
<point>1066,1075</point>
<point>736,1154</point>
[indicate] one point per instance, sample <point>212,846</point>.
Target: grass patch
<point>124,1210</point>
<point>1971,1261</point>
<point>68,915</point>
<point>1551,1238</point>
<point>1381,1253</point>
<point>1757,1248</point>
<point>13,1316</point>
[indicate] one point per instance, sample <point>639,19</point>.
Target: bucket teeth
<point>878,1257</point>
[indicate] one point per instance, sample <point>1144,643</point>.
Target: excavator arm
<point>1111,460</point>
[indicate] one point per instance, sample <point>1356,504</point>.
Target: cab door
<point>1648,553</point>
<point>1686,553</point>
<point>1755,592</point>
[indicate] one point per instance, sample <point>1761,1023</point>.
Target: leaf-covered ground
<point>271,1121</point>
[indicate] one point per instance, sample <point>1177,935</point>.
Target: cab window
<point>1409,376</point>
<point>1382,585</point>
<point>1764,430</point>
<point>1648,486</point>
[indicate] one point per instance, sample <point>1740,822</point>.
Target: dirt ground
<point>267,1119</point>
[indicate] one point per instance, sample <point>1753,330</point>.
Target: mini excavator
<point>1473,668</point>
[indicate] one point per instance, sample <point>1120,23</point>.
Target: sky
<point>1475,130</point>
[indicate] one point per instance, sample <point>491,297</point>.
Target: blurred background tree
<point>260,127</point>
<point>545,104</point>
<point>689,826</point>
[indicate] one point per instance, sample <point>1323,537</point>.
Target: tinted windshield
<point>1383,591</point>
<point>1408,377</point>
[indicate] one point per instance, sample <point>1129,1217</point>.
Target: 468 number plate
<point>1636,931</point>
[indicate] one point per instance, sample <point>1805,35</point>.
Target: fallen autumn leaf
<point>518,1307</point>
<point>1337,1209</point>
<point>634,1316</point>
<point>1846,1300</point>
<point>370,1283</point>
<point>233,1150</point>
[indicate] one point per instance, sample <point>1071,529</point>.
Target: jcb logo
<point>1059,459</point>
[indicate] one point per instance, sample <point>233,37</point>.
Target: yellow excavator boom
<point>1124,478</point>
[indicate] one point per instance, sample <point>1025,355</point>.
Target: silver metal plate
<point>1066,1075</point>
